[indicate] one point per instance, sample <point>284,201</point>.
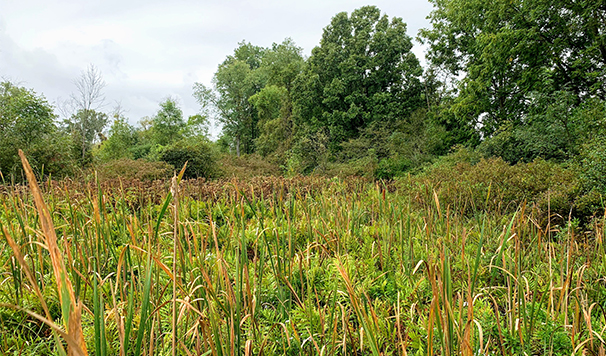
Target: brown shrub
<point>247,166</point>
<point>492,185</point>
<point>127,169</point>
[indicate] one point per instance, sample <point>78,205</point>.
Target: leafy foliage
<point>122,138</point>
<point>467,183</point>
<point>362,72</point>
<point>27,122</point>
<point>236,80</point>
<point>246,166</point>
<point>274,124</point>
<point>593,165</point>
<point>233,100</point>
<point>514,57</point>
<point>85,127</point>
<point>129,169</point>
<point>200,159</point>
<point>168,124</point>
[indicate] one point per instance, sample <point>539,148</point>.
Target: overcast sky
<point>148,50</point>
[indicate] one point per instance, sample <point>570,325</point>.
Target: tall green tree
<point>122,138</point>
<point>168,124</point>
<point>27,122</point>
<point>281,65</point>
<point>362,72</point>
<point>85,127</point>
<point>197,127</point>
<point>236,80</point>
<point>275,125</point>
<point>505,54</point>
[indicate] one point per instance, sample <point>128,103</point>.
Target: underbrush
<point>247,166</point>
<point>468,183</point>
<point>129,169</point>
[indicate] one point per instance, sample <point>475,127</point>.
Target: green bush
<point>309,154</point>
<point>201,161</point>
<point>27,122</point>
<point>141,151</point>
<point>592,175</point>
<point>493,185</point>
<point>392,167</point>
<point>593,165</point>
<point>365,166</point>
<point>122,138</point>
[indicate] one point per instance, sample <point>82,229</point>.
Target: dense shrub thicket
<point>128,169</point>
<point>197,154</point>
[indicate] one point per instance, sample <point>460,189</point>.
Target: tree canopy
<point>362,72</point>
<point>27,122</point>
<point>168,124</point>
<point>240,77</point>
<point>511,54</point>
<point>515,79</point>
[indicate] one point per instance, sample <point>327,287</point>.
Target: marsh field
<point>390,188</point>
<point>423,265</point>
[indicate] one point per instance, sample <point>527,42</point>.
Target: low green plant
<point>246,166</point>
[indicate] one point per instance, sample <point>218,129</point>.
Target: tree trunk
<point>238,146</point>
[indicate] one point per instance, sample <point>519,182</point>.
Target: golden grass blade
<point>64,285</point>
<point>28,273</point>
<point>72,344</point>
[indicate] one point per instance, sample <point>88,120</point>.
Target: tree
<point>241,77</point>
<point>236,80</point>
<point>362,72</point>
<point>89,90</point>
<point>281,65</point>
<point>27,123</point>
<point>507,53</point>
<point>122,138</point>
<point>198,155</point>
<point>85,127</point>
<point>197,126</point>
<point>168,124</point>
<point>86,122</point>
<point>273,105</point>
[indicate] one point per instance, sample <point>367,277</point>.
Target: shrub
<point>134,169</point>
<point>141,151</point>
<point>309,153</point>
<point>200,159</point>
<point>247,166</point>
<point>122,138</point>
<point>364,166</point>
<point>593,165</point>
<point>393,167</point>
<point>493,185</point>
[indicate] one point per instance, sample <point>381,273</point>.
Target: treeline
<point>519,80</point>
<point>77,143</point>
<point>356,105</point>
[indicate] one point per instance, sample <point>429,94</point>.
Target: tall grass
<point>288,267</point>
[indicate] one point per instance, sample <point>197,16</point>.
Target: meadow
<point>295,266</point>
